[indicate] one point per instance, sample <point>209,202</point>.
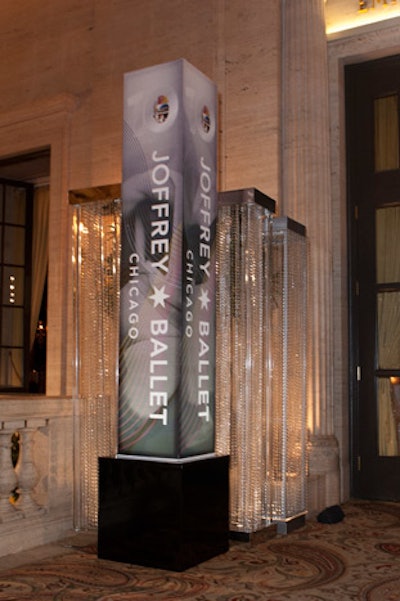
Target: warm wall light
<point>367,4</point>
<point>11,288</point>
<point>342,15</point>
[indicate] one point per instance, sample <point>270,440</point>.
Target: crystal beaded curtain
<point>241,378</point>
<point>288,370</point>
<point>96,256</point>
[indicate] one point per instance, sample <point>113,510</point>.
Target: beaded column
<point>96,303</point>
<point>287,431</point>
<point>242,341</point>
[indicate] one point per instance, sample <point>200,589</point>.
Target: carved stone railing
<point>36,471</point>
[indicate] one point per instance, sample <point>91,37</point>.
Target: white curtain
<point>39,252</point>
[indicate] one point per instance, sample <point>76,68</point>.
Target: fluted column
<point>306,198</point>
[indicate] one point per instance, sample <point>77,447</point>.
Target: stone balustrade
<point>36,471</point>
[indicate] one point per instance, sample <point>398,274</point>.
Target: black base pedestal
<point>163,515</point>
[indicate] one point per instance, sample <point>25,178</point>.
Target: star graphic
<point>204,299</point>
<point>159,296</point>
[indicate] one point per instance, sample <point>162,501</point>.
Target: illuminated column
<point>172,506</point>
<point>307,199</point>
<point>288,364</point>
<point>167,309</point>
<point>243,379</point>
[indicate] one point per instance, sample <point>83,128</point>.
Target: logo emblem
<point>161,109</point>
<point>206,119</point>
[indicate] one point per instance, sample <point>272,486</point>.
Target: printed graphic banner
<point>167,320</point>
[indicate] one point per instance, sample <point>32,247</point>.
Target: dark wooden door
<point>373,174</point>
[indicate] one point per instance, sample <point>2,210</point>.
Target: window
<point>24,207</point>
<point>15,272</point>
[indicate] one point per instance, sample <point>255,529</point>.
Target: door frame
<point>345,48</point>
<point>368,191</point>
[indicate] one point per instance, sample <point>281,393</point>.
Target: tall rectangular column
<point>167,323</point>
<point>164,499</point>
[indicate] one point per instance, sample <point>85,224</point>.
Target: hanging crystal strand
<point>95,416</point>
<point>276,363</point>
<point>258,301</point>
<point>289,365</point>
<point>111,244</point>
<point>223,332</point>
<point>246,400</point>
<point>249,473</point>
<point>96,310</point>
<point>284,399</point>
<point>265,302</point>
<point>296,360</point>
<point>231,300</point>
<point>100,392</point>
<point>258,298</point>
<point>237,449</point>
<point>244,335</point>
<point>87,320</point>
<point>76,291</point>
<point>253,282</point>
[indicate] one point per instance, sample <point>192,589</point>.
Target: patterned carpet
<point>356,559</point>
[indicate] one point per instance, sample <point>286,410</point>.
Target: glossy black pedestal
<point>164,515</point>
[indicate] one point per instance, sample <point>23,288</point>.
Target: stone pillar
<point>306,197</point>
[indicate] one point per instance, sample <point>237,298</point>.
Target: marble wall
<point>66,61</point>
<point>83,49</point>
